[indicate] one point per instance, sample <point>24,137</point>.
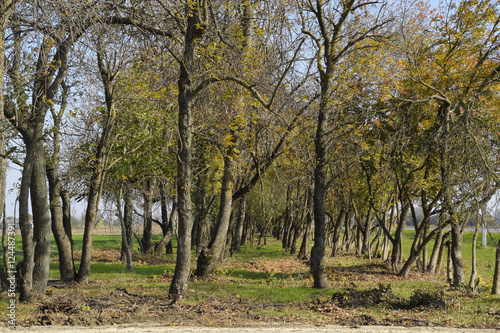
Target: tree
<point>335,31</point>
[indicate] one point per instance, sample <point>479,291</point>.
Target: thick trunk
<point>209,257</point>
<point>27,263</point>
<point>456,255</point>
<point>179,285</point>
<point>317,262</point>
<point>3,178</point>
<point>238,232</point>
<point>41,219</point>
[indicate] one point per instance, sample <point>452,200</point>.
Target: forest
<point>331,127</point>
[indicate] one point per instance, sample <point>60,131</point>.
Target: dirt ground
<point>123,311</point>
<point>254,329</point>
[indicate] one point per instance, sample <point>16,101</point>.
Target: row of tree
<point>240,118</point>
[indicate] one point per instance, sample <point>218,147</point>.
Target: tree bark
<point>196,25</point>
<point>238,232</point>
<point>98,171</point>
<point>456,255</point>
<point>62,238</point>
<point>473,275</point>
<point>495,289</point>
<point>309,221</point>
<point>209,257</point>
<point>126,245</point>
<point>341,218</point>
<point>431,268</point>
<point>147,234</point>
<point>127,221</point>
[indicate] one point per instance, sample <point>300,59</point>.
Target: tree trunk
<point>41,219</point>
<point>431,268</point>
<point>449,264</point>
<point>473,275</point>
<point>167,226</point>
<point>127,221</point>
<point>317,262</point>
<point>209,257</point>
<point>456,255</point>
<point>238,232</point>
<point>97,176</point>
<point>5,10</point>
<point>397,246</point>
<point>196,25</point>
<point>444,244</point>
<point>337,229</point>
<point>495,290</point>
<point>64,243</point>
<point>367,231</point>
<point>287,224</point>
<point>309,221</point>
<point>126,245</point>
<point>147,233</point>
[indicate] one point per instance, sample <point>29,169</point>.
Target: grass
<point>269,275</point>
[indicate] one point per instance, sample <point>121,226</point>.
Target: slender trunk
<point>167,222</point>
<point>66,208</point>
<point>397,246</point>
<point>127,221</point>
<point>415,252</point>
<point>147,234</point>
<point>367,231</point>
<point>90,218</point>
<point>444,244</point>
<point>210,256</point>
<point>309,221</point>
<point>288,219</point>
<point>431,268</point>
<point>473,275</point>
<point>495,289</point>
<point>64,244</point>
<point>295,236</point>
<point>98,171</point>
<point>125,243</point>
<point>337,230</point>
<point>449,264</point>
<point>238,232</point>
